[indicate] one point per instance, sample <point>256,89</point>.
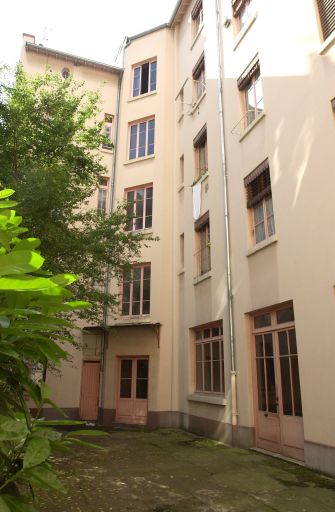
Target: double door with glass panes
<point>279,425</point>
<point>132,392</point>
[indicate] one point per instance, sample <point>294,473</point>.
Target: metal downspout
<point>233,376</point>
<point>109,210</point>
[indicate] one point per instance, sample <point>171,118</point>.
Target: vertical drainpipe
<point>109,210</point>
<point>233,376</point>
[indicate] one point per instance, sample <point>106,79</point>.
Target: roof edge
<point>70,57</point>
<point>146,32</point>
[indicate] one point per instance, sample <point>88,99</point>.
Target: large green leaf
<point>14,504</point>
<point>37,451</point>
<point>28,243</point>
<point>42,477</point>
<point>25,283</point>
<point>20,262</point>
<point>7,192</point>
<point>11,429</point>
<point>7,204</point>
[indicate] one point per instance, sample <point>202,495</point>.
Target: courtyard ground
<point>173,471</point>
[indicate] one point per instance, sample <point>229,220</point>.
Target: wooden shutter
<point>237,6</point>
<point>251,70</point>
<point>327,16</point>
<point>258,184</point>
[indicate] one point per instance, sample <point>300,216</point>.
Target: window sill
<point>244,30</point>
<point>136,160</point>
<point>261,245</point>
<point>134,319</point>
<point>181,187</point>
<point>201,278</point>
<point>196,37</point>
<point>181,272</point>
<point>197,103</point>
<point>327,43</point>
<point>134,98</point>
<point>201,178</point>
<point>180,118</point>
<point>207,399</point>
<point>252,125</point>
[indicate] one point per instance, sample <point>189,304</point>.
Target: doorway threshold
<point>278,456</point>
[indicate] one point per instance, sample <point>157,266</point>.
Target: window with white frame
<point>259,202</point>
<point>197,16</point>
<point>108,131</point>
<point>142,138</point>
<point>250,85</point>
<point>242,10</point>
<point>136,291</point>
<point>102,194</point>
<point>209,359</point>
<point>144,78</point>
<point>198,76</point>
<point>139,208</point>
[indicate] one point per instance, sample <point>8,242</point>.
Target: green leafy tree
<point>49,153</point>
<point>30,334</point>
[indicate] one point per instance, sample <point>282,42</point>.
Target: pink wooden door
<point>89,395</point>
<point>132,397</point>
<point>279,410</point>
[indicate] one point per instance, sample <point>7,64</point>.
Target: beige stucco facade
<point>209,284</point>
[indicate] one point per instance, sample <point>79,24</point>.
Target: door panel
<point>89,394</point>
<point>132,398</point>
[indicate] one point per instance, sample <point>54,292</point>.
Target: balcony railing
<point>203,261</point>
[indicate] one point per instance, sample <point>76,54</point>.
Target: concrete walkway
<point>173,471</point>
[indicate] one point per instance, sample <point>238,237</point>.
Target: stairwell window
<point>250,85</point>
<point>139,208</point>
<point>209,360</point>
<point>326,10</point>
<point>102,194</point>
<point>136,291</point>
<point>144,77</point>
<point>199,81</point>
<point>203,246</point>
<point>108,131</point>
<point>142,138</point>
<point>259,202</point>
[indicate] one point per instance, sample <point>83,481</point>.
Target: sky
<point>94,29</point>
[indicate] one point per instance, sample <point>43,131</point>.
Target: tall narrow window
<point>327,16</point>
<point>108,131</point>
<point>250,85</point>
<point>136,291</point>
<point>139,206</point>
<point>197,18</point>
<point>142,138</point>
<point>200,150</point>
<point>182,250</point>
<point>144,78</point>
<point>203,251</point>
<point>209,360</point>
<point>242,10</point>
<point>199,81</point>
<point>102,194</point>
<point>181,169</point>
<point>259,201</point>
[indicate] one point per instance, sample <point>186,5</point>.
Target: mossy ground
<point>173,471</point>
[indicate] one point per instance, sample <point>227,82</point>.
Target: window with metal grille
<point>209,359</point>
<point>327,16</point>
<point>259,201</point>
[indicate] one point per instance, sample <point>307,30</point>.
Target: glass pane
<point>136,291</point>
<point>207,371</point>
<point>133,141</point>
<point>286,386</point>
<point>261,385</point>
<point>136,273</point>
<point>126,368</point>
<point>283,347</point>
<point>139,209</point>
<point>198,335</point>
<point>146,289</point>
<point>268,344</point>
<point>216,377</point>
<point>207,351</point>
<point>250,103</point>
<point>262,321</point>
<point>222,376</point>
<point>259,95</point>
<point>135,308</point>
<point>153,76</point>
<point>125,388</point>
<point>259,346</point>
<point>259,232</point>
<point>142,368</point>
<point>145,78</point>
<point>269,206</point>
<point>215,331</point>
<point>142,388</point>
<point>216,350</point>
<point>271,383</point>
<point>151,137</point>
<point>146,272</point>
<point>146,307</point>
<point>296,386</point>
<point>125,308</point>
<point>207,333</point>
<point>198,377</point>
<point>142,139</point>
<point>198,352</point>
<point>202,158</point>
<point>148,208</point>
<point>271,226</point>
<point>285,315</point>
<point>293,341</point>
<point>136,84</point>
